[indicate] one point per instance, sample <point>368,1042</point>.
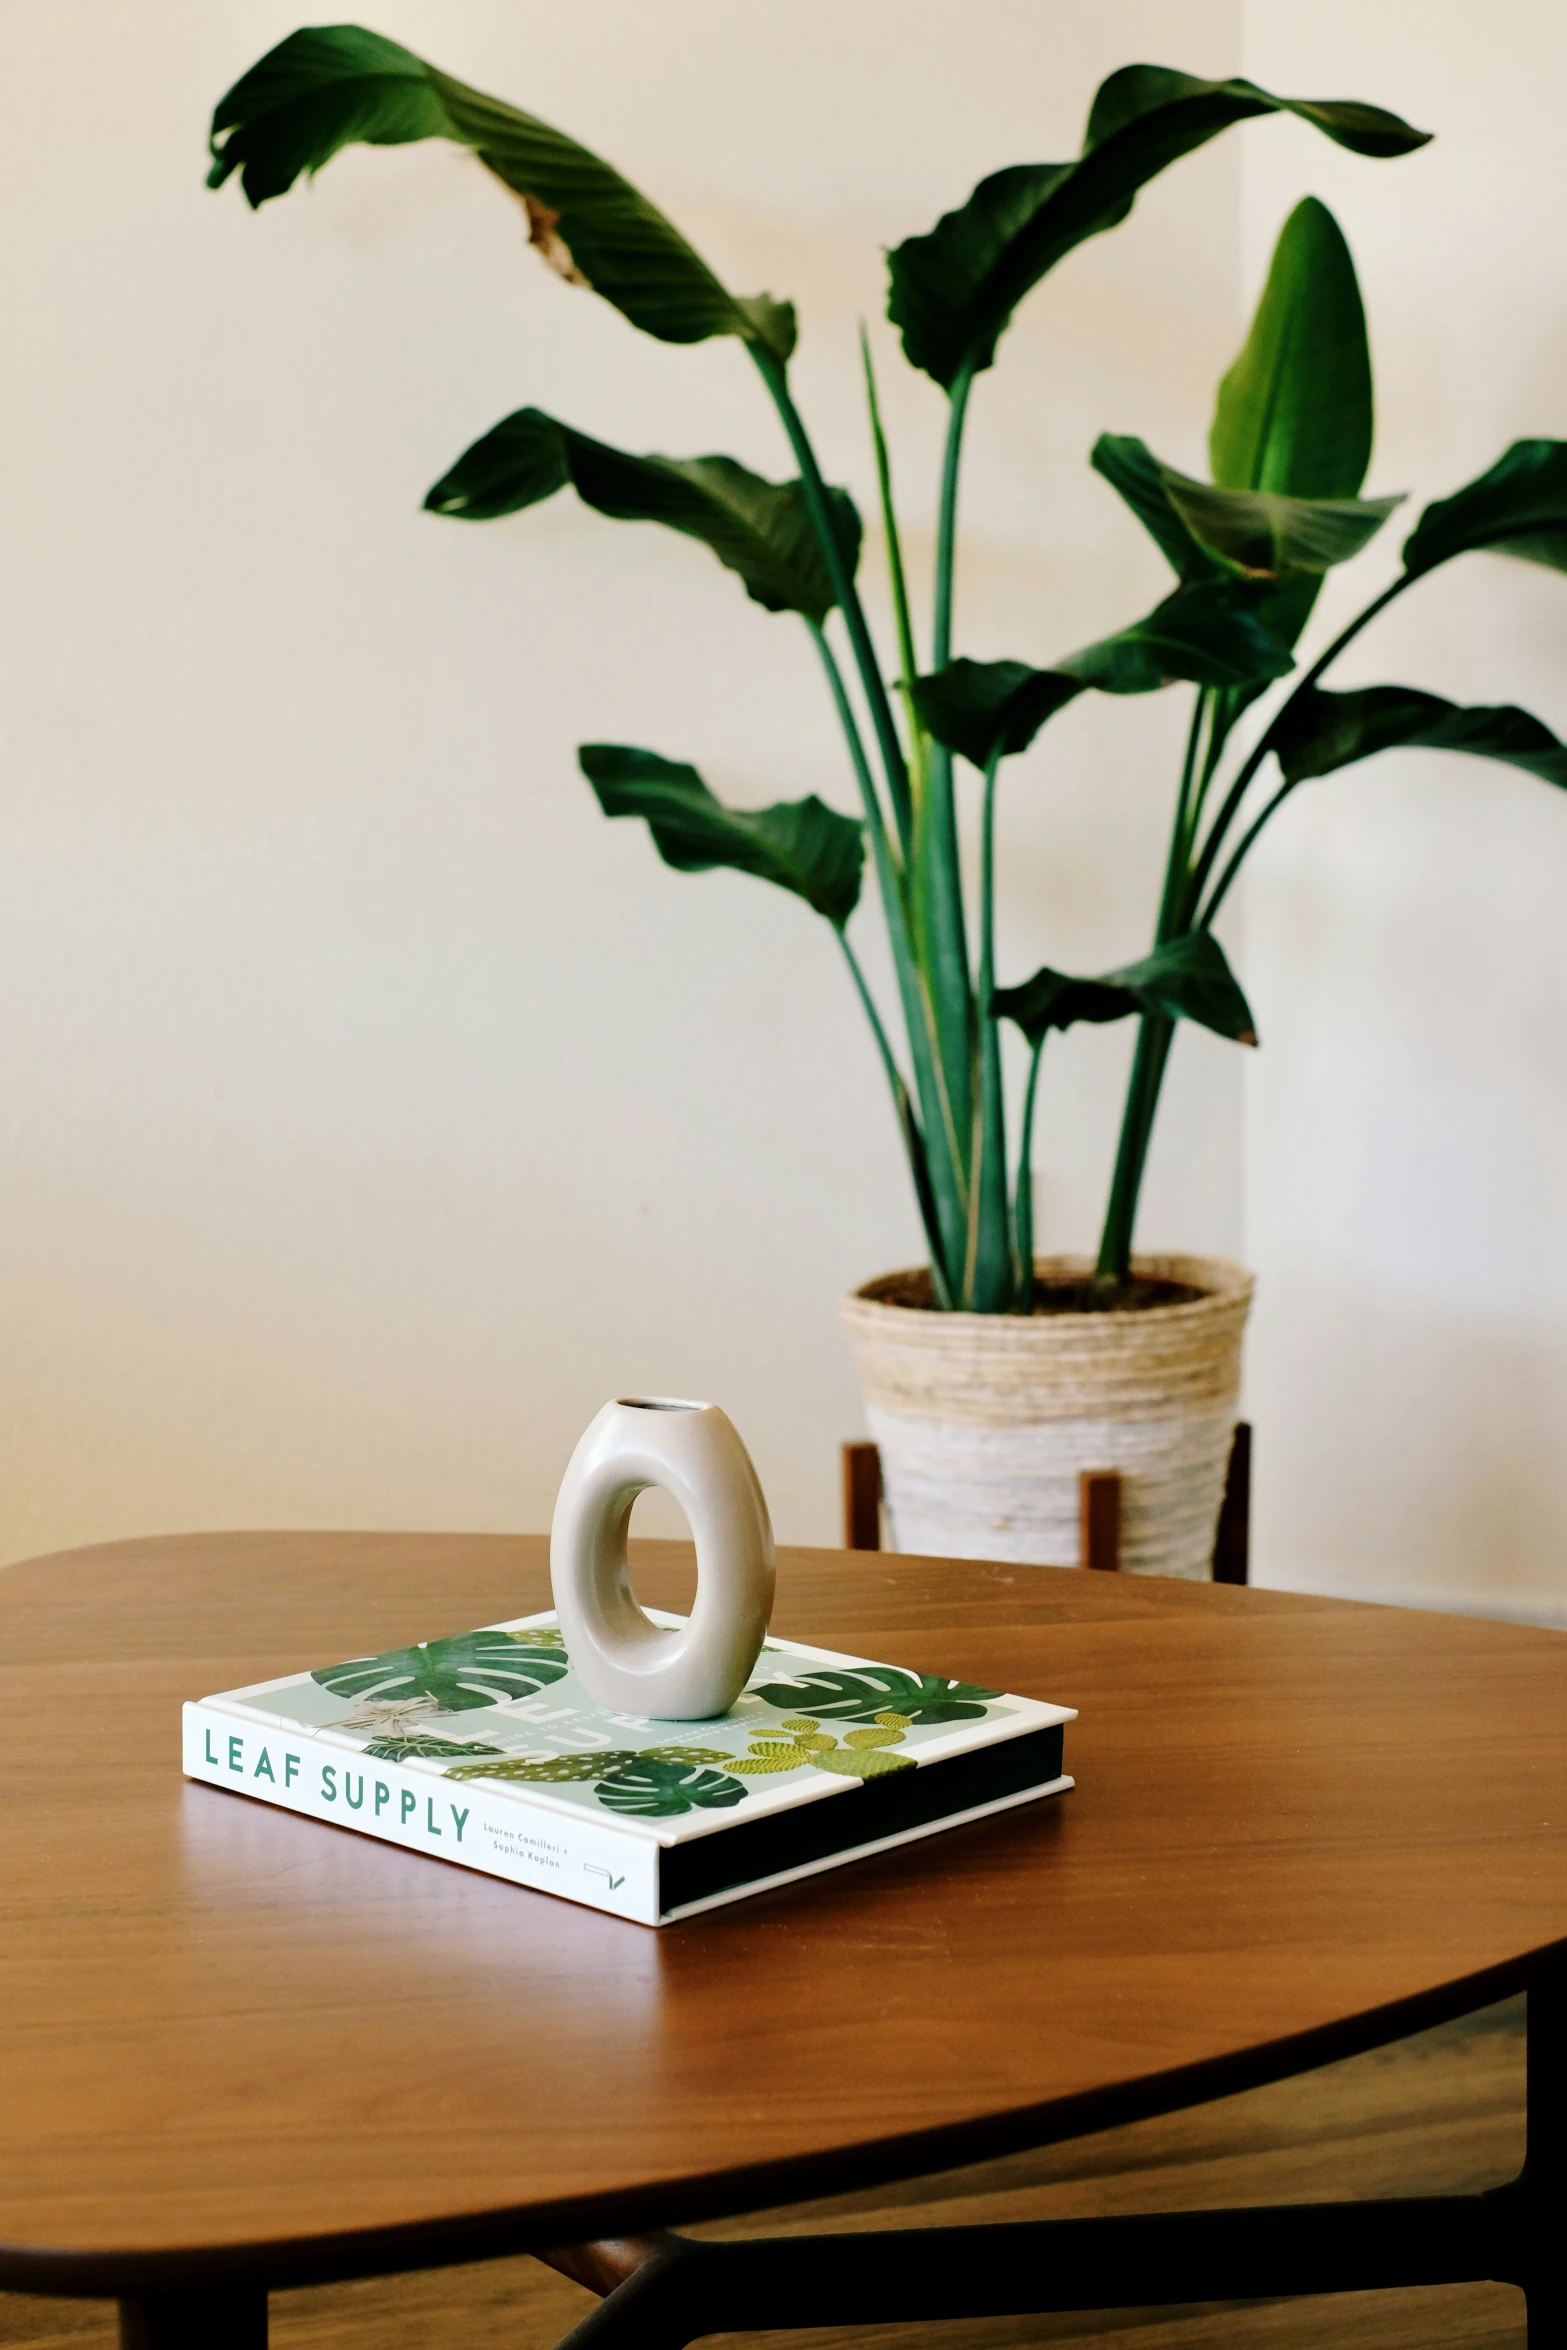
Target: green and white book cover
<point>483,1749</point>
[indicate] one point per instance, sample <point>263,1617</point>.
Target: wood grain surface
<point>233,2042</point>
<point>1441,2113</point>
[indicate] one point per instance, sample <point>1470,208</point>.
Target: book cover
<point>482,1749</point>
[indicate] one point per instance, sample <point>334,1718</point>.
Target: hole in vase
<point>658,1403</point>
<point>665,1578</point>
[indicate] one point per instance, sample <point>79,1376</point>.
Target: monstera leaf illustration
<point>425,1749</point>
<point>557,1770</point>
<point>859,1693</point>
<point>658,1790</point>
<point>471,1669</point>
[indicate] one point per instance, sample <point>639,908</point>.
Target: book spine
<point>465,1821</point>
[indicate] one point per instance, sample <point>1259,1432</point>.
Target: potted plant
<point>992,1376</point>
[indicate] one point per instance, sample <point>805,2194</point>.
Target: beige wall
<point>371,1108</point>
<point>1406,1166</point>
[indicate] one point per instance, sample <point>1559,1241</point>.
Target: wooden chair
<point>1099,1510</point>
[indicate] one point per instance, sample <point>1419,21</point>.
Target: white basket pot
<point>985,1422</point>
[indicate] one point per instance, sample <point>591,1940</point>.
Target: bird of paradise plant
<point>1289,449</point>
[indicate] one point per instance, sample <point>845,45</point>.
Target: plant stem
<point>1175,864</point>
<point>987,1270</point>
<point>1148,1059</point>
<point>1181,914</point>
<point>1230,807</point>
<point>1221,888</point>
<point>1142,1097</point>
<point>943,1173</point>
<point>773,375</point>
<point>908,662</point>
<point>908,1126</point>
<point>926,979</point>
<point>887,872</point>
<point>947,521</point>
<point>937,903</point>
<point>1221,721</point>
<point>894,1075</point>
<point>1023,1196</point>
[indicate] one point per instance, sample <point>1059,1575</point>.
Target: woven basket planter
<point>985,1422</point>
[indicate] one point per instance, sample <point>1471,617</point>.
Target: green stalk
<point>887,873</point>
<point>937,897</point>
<point>1023,1196</point>
<point>939,868</point>
<point>908,1127</point>
<point>947,1189</point>
<point>1221,722</point>
<point>1230,807</point>
<point>772,373</point>
<point>947,521</point>
<point>1115,1246</point>
<point>924,985</point>
<point>1154,1034</point>
<point>987,1271</point>
<point>1221,888</point>
<point>908,663</point>
<point>1175,864</point>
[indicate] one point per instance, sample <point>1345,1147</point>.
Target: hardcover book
<point>482,1749</point>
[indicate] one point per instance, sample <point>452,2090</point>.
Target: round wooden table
<point>240,2050</point>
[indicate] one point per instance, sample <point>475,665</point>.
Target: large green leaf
<point>1266,535</point>
<point>1138,477</point>
<point>953,291</point>
<point>859,1693</point>
<point>1208,533</point>
<point>1187,978</point>
<point>802,845</point>
<point>978,708</point>
<point>1053,999</point>
<point>1294,413</point>
<point>1190,979</point>
<point>1518,508</point>
<point>332,86</point>
<point>472,1669</point>
<point>760,529</point>
<point>1208,632</point>
<point>1317,732</point>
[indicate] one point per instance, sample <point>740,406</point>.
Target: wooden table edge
<point>279,2263</point>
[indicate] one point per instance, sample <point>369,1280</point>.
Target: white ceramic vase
<point>627,1663</point>
<point>985,1422</point>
